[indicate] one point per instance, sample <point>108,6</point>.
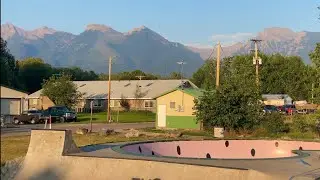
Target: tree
<point>129,76</point>
<point>61,90</point>
<point>284,75</point>
<point>32,72</point>
<point>77,74</point>
<point>174,75</point>
<point>8,66</point>
<point>315,73</point>
<point>205,76</point>
<point>138,94</point>
<point>124,103</point>
<point>236,103</point>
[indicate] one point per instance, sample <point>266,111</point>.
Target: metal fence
<point>5,120</point>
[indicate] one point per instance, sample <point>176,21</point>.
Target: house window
<point>117,103</point>
<point>172,105</point>
<point>97,102</point>
<point>148,104</point>
<point>33,101</point>
<point>111,103</point>
<point>114,103</point>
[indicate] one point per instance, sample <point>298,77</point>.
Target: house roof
<point>99,89</point>
<point>7,92</point>
<point>275,96</point>
<point>195,92</point>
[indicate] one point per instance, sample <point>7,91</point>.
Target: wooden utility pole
<point>109,89</point>
<point>312,96</point>
<point>218,66</point>
<point>256,59</point>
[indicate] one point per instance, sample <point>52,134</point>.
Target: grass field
<point>17,146</point>
<point>123,117</point>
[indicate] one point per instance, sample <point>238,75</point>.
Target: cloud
<point>229,39</point>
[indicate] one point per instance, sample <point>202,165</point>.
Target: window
<point>33,101</point>
<point>111,103</point>
<point>97,103</point>
<point>172,105</point>
<point>117,103</point>
<point>148,104</point>
<point>114,103</point>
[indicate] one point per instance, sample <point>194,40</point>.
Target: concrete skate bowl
<point>222,149</point>
<point>52,154</point>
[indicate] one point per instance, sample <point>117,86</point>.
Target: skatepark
<point>52,154</point>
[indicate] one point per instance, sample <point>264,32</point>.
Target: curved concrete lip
<point>296,153</point>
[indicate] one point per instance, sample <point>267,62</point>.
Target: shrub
<point>274,124</point>
<point>300,135</point>
<point>260,132</point>
<point>305,123</point>
<point>124,103</point>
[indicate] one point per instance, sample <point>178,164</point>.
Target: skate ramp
<point>52,154</point>
<point>223,149</point>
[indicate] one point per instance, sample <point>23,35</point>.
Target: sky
<point>194,22</point>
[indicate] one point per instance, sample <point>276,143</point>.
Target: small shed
<point>13,101</point>
<point>277,99</point>
<point>175,109</point>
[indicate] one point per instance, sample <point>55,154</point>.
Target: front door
<point>162,115</point>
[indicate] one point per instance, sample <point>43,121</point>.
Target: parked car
<point>59,113</point>
<point>269,109</point>
<point>30,116</point>
<point>289,109</point>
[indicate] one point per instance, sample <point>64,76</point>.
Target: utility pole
<point>109,88</point>
<point>181,63</point>
<point>256,60</point>
<point>312,96</point>
<point>218,66</point>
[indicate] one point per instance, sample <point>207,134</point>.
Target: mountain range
<point>274,40</point>
<point>140,48</point>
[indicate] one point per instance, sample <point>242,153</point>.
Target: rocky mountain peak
<point>278,34</point>
<point>41,32</point>
<point>139,29</point>
<point>99,27</point>
<point>8,30</point>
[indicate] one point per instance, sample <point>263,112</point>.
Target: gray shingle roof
<point>99,89</point>
<point>275,96</point>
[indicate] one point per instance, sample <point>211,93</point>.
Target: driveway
<point>26,129</point>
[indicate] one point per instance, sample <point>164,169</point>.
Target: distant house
<point>176,109</point>
<point>39,102</point>
<point>277,99</point>
<point>96,91</point>
<point>13,101</point>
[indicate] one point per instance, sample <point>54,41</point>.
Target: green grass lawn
<point>123,117</point>
<point>17,146</point>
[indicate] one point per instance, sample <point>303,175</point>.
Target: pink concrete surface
<point>223,149</point>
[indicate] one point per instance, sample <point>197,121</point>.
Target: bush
<point>305,123</point>
<point>274,124</point>
<point>300,135</point>
<point>124,103</point>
